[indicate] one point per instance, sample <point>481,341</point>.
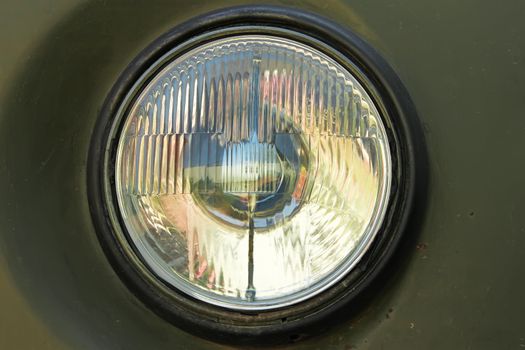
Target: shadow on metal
<point>48,240</point>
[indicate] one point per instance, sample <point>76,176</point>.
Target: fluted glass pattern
<point>252,172</point>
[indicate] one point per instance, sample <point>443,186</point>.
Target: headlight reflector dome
<point>252,172</point>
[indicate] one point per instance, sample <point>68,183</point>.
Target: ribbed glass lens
<point>252,172</point>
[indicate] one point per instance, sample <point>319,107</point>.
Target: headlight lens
<point>252,172</point>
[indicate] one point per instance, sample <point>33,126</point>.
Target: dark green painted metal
<point>458,284</point>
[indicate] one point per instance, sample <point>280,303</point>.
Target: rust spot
<point>421,246</point>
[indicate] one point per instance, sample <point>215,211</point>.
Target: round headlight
<point>252,172</point>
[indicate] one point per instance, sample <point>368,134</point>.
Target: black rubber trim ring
<point>305,318</point>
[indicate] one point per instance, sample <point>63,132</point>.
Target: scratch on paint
<point>48,158</point>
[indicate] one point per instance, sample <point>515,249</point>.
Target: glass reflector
<point>252,172</point>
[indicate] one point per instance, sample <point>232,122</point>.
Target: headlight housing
<point>254,178</point>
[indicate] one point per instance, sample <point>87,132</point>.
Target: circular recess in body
<point>252,172</point>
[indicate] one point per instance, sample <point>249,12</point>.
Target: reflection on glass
<point>252,171</point>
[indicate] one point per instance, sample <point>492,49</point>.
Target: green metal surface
<point>459,283</point>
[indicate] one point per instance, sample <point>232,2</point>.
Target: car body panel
<point>457,282</point>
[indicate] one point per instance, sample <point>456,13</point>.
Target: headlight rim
<point>353,54</point>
